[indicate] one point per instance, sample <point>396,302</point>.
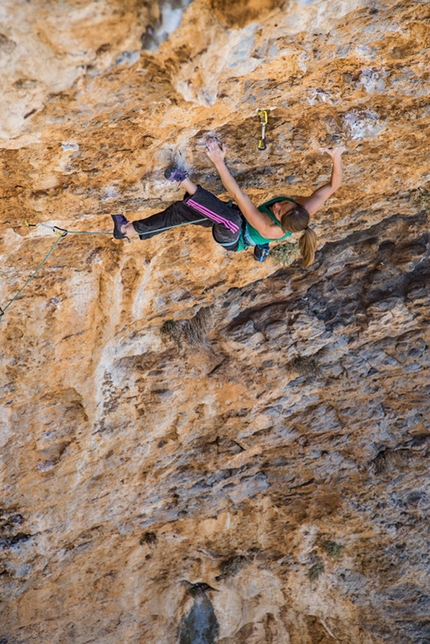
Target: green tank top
<point>251,237</point>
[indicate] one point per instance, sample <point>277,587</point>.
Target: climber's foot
<point>119,221</point>
<point>173,173</point>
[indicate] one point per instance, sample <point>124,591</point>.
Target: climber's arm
<point>259,220</point>
<point>320,196</point>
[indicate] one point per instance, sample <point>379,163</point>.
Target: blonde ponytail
<point>296,220</point>
<point>308,245</point>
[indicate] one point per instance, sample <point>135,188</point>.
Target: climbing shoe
<point>261,252</point>
<point>173,173</point>
<point>118,222</point>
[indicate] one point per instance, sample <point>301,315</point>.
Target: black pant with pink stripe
<point>200,209</point>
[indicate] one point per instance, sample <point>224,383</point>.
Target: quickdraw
<point>263,118</point>
<point>61,232</point>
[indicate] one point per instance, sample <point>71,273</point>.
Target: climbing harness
<point>262,115</point>
<point>62,232</point>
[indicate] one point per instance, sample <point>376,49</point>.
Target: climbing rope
<point>62,232</point>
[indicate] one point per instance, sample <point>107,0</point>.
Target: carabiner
<point>261,145</point>
<point>262,115</point>
<point>60,231</point>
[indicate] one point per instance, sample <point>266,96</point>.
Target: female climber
<point>237,227</point>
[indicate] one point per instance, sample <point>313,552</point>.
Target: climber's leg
<point>226,217</point>
<point>175,215</point>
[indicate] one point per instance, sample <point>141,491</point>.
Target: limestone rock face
<point>195,447</point>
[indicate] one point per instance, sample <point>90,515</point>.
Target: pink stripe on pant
<point>213,215</point>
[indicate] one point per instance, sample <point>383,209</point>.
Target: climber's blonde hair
<point>294,221</point>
